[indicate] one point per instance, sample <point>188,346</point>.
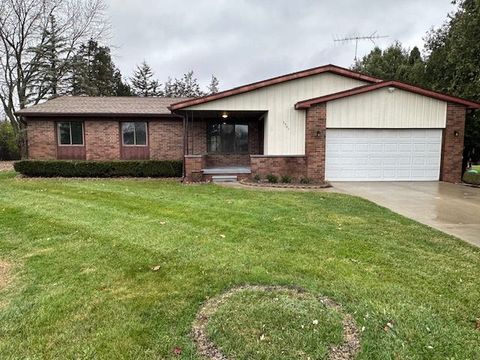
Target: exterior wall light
<point>225,115</point>
<point>319,133</point>
<point>391,89</point>
<point>456,133</point>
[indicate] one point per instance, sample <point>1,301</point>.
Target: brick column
<point>315,124</point>
<point>193,168</point>
<point>452,146</point>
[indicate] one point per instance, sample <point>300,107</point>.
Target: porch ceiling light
<point>225,115</point>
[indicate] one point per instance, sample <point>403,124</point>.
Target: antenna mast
<point>356,37</point>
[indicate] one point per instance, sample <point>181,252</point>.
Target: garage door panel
<point>433,148</point>
<point>383,154</point>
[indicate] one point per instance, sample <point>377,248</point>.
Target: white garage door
<point>383,155</point>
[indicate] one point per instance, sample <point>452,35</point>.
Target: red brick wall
<point>102,139</point>
<point>134,152</point>
<point>197,137</point>
<point>71,152</point>
<point>452,146</point>
<point>315,145</point>
<point>222,160</point>
<point>294,166</point>
<point>166,140</point>
<point>42,144</point>
<point>193,167</point>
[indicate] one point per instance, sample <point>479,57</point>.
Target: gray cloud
<point>245,40</point>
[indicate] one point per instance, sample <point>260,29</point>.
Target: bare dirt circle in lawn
<point>279,322</point>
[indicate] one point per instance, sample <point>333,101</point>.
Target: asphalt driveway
<point>453,209</point>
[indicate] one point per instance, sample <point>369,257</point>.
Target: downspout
<point>185,139</point>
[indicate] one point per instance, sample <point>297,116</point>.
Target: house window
<point>134,133</point>
<point>70,133</point>
<point>227,138</point>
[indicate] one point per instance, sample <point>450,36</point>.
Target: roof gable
<point>305,104</point>
<point>273,81</point>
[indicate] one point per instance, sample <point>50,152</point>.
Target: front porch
<point>219,144</point>
<point>229,146</point>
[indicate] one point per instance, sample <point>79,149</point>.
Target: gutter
<point>108,115</point>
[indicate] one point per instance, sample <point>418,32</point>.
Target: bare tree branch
<point>23,28</point>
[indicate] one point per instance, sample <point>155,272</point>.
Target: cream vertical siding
<point>284,126</point>
<point>386,109</point>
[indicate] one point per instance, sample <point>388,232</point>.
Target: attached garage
<point>388,131</point>
<point>383,155</point>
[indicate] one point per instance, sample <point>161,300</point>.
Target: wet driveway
<point>453,209</point>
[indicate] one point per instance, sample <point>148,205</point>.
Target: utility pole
<point>356,37</point>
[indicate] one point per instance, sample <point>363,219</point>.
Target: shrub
<point>272,178</point>
<point>257,178</point>
<point>8,142</point>
<point>74,168</point>
<point>471,177</point>
<point>286,179</point>
<point>305,180</point>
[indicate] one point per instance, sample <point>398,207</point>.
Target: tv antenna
<point>356,37</point>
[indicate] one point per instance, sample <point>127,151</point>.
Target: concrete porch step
<point>224,178</point>
<point>229,170</point>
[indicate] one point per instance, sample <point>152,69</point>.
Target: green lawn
<point>82,283</point>
<point>476,167</point>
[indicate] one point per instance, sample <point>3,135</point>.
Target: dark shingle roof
<point>102,106</point>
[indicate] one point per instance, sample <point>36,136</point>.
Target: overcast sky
<point>242,41</point>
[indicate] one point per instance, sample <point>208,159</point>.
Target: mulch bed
<point>347,350</point>
<point>285,186</point>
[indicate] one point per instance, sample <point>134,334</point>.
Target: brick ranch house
<point>325,123</point>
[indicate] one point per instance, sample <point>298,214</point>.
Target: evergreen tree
<point>143,83</point>
<point>169,88</point>
<point>120,88</point>
<point>50,62</point>
<point>394,63</point>
<point>187,86</point>
<point>453,64</point>
<point>213,87</point>
<point>93,73</point>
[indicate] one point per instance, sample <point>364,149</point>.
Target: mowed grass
<point>275,325</point>
<point>83,251</point>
